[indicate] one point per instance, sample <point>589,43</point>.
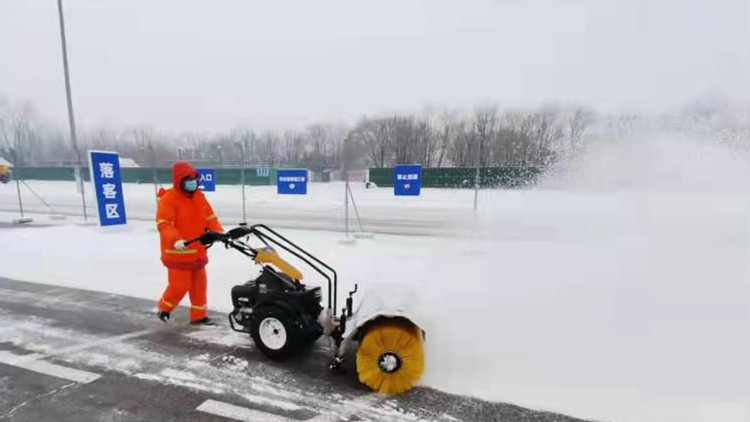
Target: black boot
<point>164,316</point>
<point>203,321</point>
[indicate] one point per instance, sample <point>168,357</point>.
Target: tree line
<point>488,136</point>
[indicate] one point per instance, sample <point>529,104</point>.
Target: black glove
<point>208,238</point>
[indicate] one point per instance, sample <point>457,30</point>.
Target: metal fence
<point>463,177</point>
<point>146,175</point>
<point>490,177</point>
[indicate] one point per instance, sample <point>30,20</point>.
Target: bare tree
<point>293,146</point>
<point>462,147</point>
<point>324,145</point>
<point>402,142</point>
<point>151,147</point>
<point>269,149</point>
<point>5,132</point>
<point>485,124</point>
<point>446,130</point>
<point>425,142</point>
<point>21,135</point>
<point>377,137</point>
<point>548,133</point>
<point>578,122</point>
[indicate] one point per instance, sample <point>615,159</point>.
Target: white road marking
<point>265,401</point>
<point>239,413</point>
<point>34,363</point>
<point>364,405</point>
<point>361,405</point>
<point>105,341</point>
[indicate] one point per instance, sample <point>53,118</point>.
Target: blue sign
<point>207,182</point>
<point>407,180</point>
<point>292,182</point>
<point>105,173</point>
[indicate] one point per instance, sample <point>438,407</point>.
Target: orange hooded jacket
<point>186,216</point>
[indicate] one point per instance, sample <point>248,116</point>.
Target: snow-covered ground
<point>322,209</point>
<point>605,294</point>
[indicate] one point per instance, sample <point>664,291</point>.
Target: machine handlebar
<point>270,238</point>
<point>209,238</point>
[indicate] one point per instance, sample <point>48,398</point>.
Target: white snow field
<point>617,292</point>
<point>321,209</point>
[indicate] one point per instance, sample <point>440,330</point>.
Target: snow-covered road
<point>71,355</point>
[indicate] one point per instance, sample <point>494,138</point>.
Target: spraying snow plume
<point>655,161</point>
<point>617,290</point>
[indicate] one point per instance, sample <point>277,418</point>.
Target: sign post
<point>105,175</point>
<point>291,182</point>
<point>407,180</point>
<point>207,182</point>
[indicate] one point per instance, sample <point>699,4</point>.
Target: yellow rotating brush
<point>390,359</point>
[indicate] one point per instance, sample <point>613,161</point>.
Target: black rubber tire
<point>287,320</point>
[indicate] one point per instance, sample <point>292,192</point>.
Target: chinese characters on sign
<point>109,190</point>
<point>107,170</point>
<point>407,177</point>
<point>105,175</point>
<point>292,182</point>
<point>408,180</point>
<point>207,182</point>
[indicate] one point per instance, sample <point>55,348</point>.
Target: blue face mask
<point>190,185</point>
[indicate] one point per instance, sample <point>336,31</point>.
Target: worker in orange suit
<point>184,214</point>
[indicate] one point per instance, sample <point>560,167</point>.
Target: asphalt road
<point>76,355</point>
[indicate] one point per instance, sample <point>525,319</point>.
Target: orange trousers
<point>186,281</point>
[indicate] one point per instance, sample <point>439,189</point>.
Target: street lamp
<point>477,174</point>
<point>150,147</point>
<point>243,146</point>
<point>71,118</point>
<point>17,176</point>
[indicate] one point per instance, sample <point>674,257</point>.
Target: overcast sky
<point>275,63</point>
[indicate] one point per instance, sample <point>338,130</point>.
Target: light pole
<point>142,147</point>
<point>71,118</point>
<point>477,177</point>
<point>345,168</point>
<point>153,171</point>
<point>17,176</point>
<point>243,147</point>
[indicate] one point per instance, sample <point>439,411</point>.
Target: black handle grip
<point>217,237</point>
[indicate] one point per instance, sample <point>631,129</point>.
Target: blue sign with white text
<point>105,174</point>
<point>407,180</point>
<point>207,182</point>
<point>291,182</point>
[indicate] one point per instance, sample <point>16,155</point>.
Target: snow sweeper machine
<point>285,316</point>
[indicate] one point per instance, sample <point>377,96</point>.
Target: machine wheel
<point>390,359</point>
<point>273,331</point>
